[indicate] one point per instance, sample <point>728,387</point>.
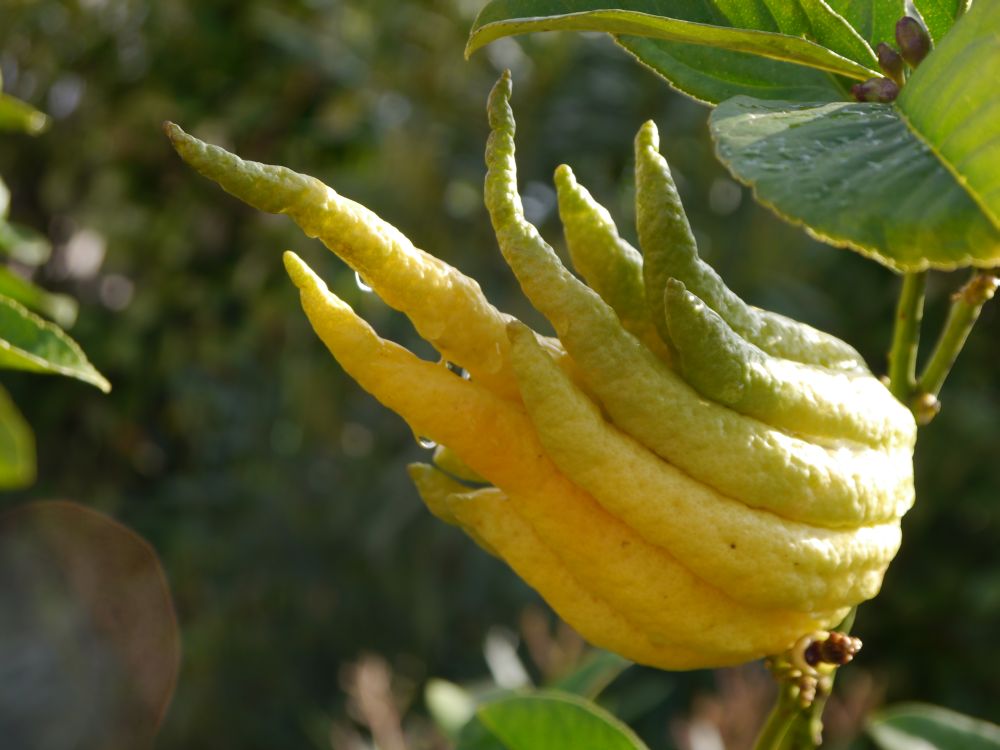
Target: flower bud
<point>890,62</point>
<point>837,648</point>
<point>912,39</point>
<point>876,90</point>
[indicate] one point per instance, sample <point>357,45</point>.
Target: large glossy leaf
<point>29,343</point>
<point>547,720</point>
<point>475,736</point>
<point>17,447</point>
<point>59,307</point>
<point>453,707</point>
<point>875,20</point>
<point>919,726</point>
<point>765,44</point>
<point>855,175</point>
<point>915,184</point>
<point>951,103</point>
<point>710,50</point>
<point>939,15</point>
<point>712,75</point>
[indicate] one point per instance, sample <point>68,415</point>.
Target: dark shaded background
<point>272,488</point>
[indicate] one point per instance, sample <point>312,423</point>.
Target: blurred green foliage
<point>272,488</point>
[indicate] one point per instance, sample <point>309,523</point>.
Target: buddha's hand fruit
<point>687,480</point>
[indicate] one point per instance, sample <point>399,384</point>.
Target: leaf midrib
<point>949,166</point>
<point>846,66</point>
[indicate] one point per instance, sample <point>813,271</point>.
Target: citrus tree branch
<point>779,722</point>
<point>906,337</point>
<point>966,304</point>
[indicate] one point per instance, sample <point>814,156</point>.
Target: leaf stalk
<point>966,304</point>
<point>906,337</point>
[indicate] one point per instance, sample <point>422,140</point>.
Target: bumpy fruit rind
<point>682,512</point>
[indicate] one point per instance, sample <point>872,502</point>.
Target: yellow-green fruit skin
<point>682,514</point>
<point>670,252</point>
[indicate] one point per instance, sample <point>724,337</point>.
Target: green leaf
<point>834,32</point>
<point>950,102</point>
<point>475,736</point>
<point>59,307</point>
<point>855,175</point>
<point>913,185</point>
<point>16,115</point>
<point>17,447</point>
<point>939,15</point>
<point>453,707</point>
<point>917,726</point>
<point>547,720</point>
<point>874,20</point>
<point>712,75</point>
<point>24,244</point>
<point>507,17</point>
<point>596,672</point>
<point>29,343</point>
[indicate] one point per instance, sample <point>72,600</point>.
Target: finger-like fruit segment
<point>805,399</point>
<point>488,516</point>
<point>437,489</point>
<point>495,518</point>
<point>446,460</point>
<point>754,556</point>
<point>684,535</point>
<point>669,251</point>
<point>664,232</point>
<point>840,485</point>
<point>447,308</point>
<point>495,438</point>
<point>609,264</point>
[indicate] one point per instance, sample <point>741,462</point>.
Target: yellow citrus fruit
<point>687,480</point>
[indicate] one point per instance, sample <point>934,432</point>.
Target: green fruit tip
<point>173,130</point>
<point>674,287</point>
<point>300,274</point>
<point>648,136</point>
<point>498,104</point>
<point>517,331</point>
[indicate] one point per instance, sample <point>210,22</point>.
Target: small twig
<point>906,337</point>
<point>966,305</point>
<point>780,720</point>
<point>806,731</point>
<point>805,675</point>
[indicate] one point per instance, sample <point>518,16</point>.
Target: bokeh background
<point>271,487</point>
